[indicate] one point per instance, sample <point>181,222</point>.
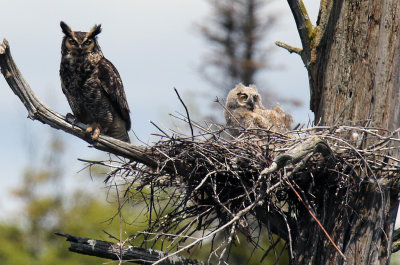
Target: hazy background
<point>155,46</point>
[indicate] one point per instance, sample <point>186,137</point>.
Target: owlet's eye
<point>242,97</point>
<point>88,42</point>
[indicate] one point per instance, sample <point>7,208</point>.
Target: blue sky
<point>155,46</point>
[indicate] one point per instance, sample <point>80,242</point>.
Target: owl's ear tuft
<point>66,29</point>
<point>239,86</point>
<point>253,87</point>
<point>94,31</point>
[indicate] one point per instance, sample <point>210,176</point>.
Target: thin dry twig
<point>187,112</point>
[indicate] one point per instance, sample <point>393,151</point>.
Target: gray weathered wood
<point>123,252</point>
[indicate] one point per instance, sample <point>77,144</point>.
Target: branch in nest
<point>297,153</point>
<point>117,251</point>
<point>39,111</point>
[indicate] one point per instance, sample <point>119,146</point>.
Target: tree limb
<point>288,47</point>
<point>304,27</point>
<point>118,251</point>
<point>298,153</point>
<point>39,111</point>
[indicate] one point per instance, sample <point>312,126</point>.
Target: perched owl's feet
<point>95,128</point>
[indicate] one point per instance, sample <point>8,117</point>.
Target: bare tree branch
<point>39,111</point>
<point>118,251</point>
<point>299,152</point>
<point>304,27</point>
<point>288,47</point>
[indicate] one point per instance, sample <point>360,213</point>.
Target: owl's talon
<point>71,118</point>
<point>95,129</point>
<point>89,129</point>
<point>96,134</point>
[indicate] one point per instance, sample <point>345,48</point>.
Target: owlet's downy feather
<point>92,85</point>
<point>244,109</point>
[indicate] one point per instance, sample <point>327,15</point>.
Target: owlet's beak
<point>250,102</point>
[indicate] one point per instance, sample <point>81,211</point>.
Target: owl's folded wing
<point>111,82</point>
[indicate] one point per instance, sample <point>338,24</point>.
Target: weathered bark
<point>353,61</point>
<point>356,71</point>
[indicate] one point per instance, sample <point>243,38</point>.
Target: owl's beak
<point>80,50</point>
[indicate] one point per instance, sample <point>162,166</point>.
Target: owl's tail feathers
<point>119,132</point>
<point>126,138</point>
<point>122,135</point>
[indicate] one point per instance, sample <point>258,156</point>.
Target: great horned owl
<point>92,85</point>
<point>244,109</point>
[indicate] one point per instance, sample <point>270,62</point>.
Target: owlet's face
<point>79,43</point>
<point>246,97</point>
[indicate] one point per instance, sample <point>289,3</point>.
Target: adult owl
<point>92,85</point>
<point>244,109</point>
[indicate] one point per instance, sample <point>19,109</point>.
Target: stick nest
<point>211,183</point>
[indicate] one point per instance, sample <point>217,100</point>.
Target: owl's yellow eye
<point>72,42</point>
<point>242,97</point>
<point>88,42</point>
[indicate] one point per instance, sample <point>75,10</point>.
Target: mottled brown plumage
<point>244,109</point>
<point>92,85</point>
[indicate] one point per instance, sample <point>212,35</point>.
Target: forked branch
<point>304,27</point>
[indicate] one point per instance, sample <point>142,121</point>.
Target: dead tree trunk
<point>352,57</point>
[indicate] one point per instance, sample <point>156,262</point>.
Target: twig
<point>155,125</point>
<point>289,48</point>
<point>316,219</point>
<point>187,112</point>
